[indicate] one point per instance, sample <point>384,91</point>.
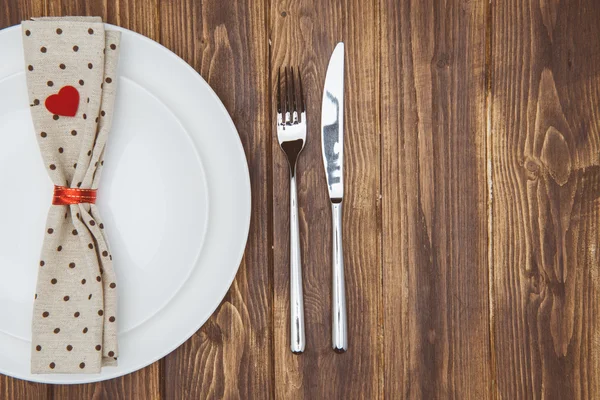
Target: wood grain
<point>304,33</point>
<point>231,356</point>
<point>545,142</point>
<point>13,12</point>
<point>143,384</point>
<point>433,124</point>
<point>11,388</point>
<point>471,216</point>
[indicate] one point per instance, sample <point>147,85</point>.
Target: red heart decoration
<point>65,102</point>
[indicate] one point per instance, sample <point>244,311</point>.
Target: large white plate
<point>175,197</point>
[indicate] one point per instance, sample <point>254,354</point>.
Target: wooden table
<point>472,213</point>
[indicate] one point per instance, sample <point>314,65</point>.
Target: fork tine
<point>302,104</point>
<point>279,90</point>
<point>294,99</point>
<point>293,92</point>
<point>287,97</point>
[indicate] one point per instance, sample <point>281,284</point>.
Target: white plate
<point>175,197</point>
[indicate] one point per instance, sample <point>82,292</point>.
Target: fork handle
<point>339,324</point>
<point>297,338</point>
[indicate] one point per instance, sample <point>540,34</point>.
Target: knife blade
<point>332,146</point>
<point>332,124</point>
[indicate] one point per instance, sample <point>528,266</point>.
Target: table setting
<point>288,200</point>
<point>71,69</point>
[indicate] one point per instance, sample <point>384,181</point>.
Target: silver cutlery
<point>291,133</point>
<point>332,145</point>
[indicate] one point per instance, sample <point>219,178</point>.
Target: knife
<point>332,146</point>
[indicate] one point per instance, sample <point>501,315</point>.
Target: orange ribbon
<point>64,196</point>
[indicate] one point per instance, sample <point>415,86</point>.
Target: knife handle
<point>297,340</point>
<point>339,325</point>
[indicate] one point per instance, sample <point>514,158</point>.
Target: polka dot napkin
<point>74,327</point>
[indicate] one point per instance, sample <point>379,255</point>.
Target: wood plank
<point>304,33</point>
<point>141,16</point>
<point>433,124</point>
<point>76,7</point>
<point>231,356</point>
<point>12,12</point>
<point>11,388</point>
<point>545,141</point>
<point>144,383</point>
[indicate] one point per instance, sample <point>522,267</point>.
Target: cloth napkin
<point>74,327</point>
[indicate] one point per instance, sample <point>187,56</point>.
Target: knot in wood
<point>556,156</point>
<point>532,169</point>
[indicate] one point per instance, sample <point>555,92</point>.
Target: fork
<point>291,133</point>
